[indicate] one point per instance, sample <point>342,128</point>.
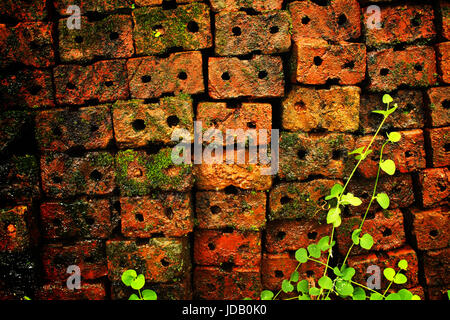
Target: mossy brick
<point>161,260</point>
<point>241,210</point>
<point>157,30</point>
<point>409,115</point>
<point>79,219</point>
<point>300,200</point>
<point>13,125</point>
<point>14,229</point>
<point>90,6</point>
<point>103,81</point>
<point>108,38</point>
<point>139,173</point>
<point>65,176</point>
<point>88,255</point>
<point>151,77</point>
<point>137,123</point>
<point>443,57</point>
<point>235,248</point>
<point>434,186</point>
<point>238,33</point>
<point>400,24</point>
<point>61,130</point>
<point>438,106</point>
<point>303,155</point>
<point>24,10</point>
<point>60,292</point>
<point>334,109</point>
<point>337,20</point>
<point>28,43</point>
<point>213,283</point>
<point>413,66</point>
<point>444,12</point>
<point>236,5</point>
<point>315,62</point>
<point>436,265</point>
<point>259,77</point>
<point>430,227</point>
<point>439,140</point>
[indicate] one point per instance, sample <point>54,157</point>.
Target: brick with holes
<point>436,265</point>
<point>24,10</point>
<point>429,227</point>
<point>103,81</point>
<point>213,283</point>
<point>88,255</point>
<point>386,228</point>
<point>157,30</point>
<point>14,228</point>
<point>443,57</point>
<point>401,24</point>
<point>14,124</point>
<point>64,175</point>
<point>409,115</point>
<point>137,123</point>
<point>414,66</point>
<point>29,43</point>
<point>238,33</point>
<point>159,259</point>
<point>339,20</point>
<point>444,12</point>
<point>299,200</point>
<point>109,38</point>
<point>435,186</point>
<point>235,248</point>
<point>255,5</point>
<point>439,106</point>
<point>303,155</point>
<point>150,77</point>
<point>61,130</point>
<point>439,140</point>
<point>408,154</point>
<point>334,109</point>
<point>259,77</point>
<point>59,291</point>
<point>314,61</point>
<point>243,210</point>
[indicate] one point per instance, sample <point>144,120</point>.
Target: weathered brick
<point>139,173</point>
<point>101,6</point>
<point>238,33</point>
<point>443,57</point>
<point>435,186</point>
<point>88,255</point>
<point>24,10</point>
<point>259,77</point>
<point>60,130</point>
<point>444,7</point>
<point>436,264</point>
<point>236,248</point>
<point>391,68</point>
<point>334,109</point>
<point>150,77</point>
<point>439,106</point>
<point>108,38</point>
<point>14,125</point>
<point>212,283</point>
<point>235,5</point>
<point>160,260</point>
<point>64,176</point>
<point>299,200</point>
<point>430,227</point>
<point>137,123</point>
<point>314,61</point>
<point>244,210</point>
<point>338,20</point>
<point>157,30</point>
<point>102,81</point>
<point>401,24</point>
<point>303,155</point>
<point>88,291</point>
<point>14,231</point>
<point>439,140</point>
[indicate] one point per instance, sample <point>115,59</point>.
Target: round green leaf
<point>348,273</point>
<point>405,294</point>
<point>134,297</point>
<point>344,288</point>
<point>359,294</point>
<point>267,295</point>
<point>366,241</point>
<point>138,282</point>
<point>128,276</point>
<point>247,298</point>
<point>148,294</point>
<point>403,264</point>
<point>388,166</point>
<point>304,297</point>
<point>333,215</point>
<point>376,296</point>
<point>415,297</point>
<point>326,283</point>
<point>301,255</point>
<point>313,291</point>
<point>393,296</point>
<point>383,200</point>
<point>324,243</point>
<point>314,250</point>
<point>394,136</point>
<point>337,272</point>
<point>387,98</point>
<point>349,198</point>
<point>294,276</point>
<point>355,236</point>
<point>389,273</point>
<point>286,286</point>
<point>303,286</point>
<point>400,278</point>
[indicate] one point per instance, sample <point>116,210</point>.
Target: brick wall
<point>86,118</point>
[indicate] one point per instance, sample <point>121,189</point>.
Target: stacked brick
<point>87,117</point>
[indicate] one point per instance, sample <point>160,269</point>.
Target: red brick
<point>439,106</point>
<point>14,231</point>
<point>401,24</point>
<point>436,264</point>
<point>245,210</point>
<point>64,176</point>
<point>137,123</point>
<point>259,77</point>
<point>24,10</point>
<point>413,66</point>
<point>443,57</point>
<point>439,140</point>
<point>430,228</point>
<point>187,27</point>
<point>60,130</point>
<point>314,61</point>
<point>212,283</point>
<point>89,256</point>
<point>337,21</point>
<point>85,219</point>
<point>102,6</point>
<point>215,248</point>
<point>150,77</point>
<point>435,186</point>
<point>88,291</point>
<point>102,81</point>
<point>235,5</point>
<point>444,7</point>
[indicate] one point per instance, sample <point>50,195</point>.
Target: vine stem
<point>398,271</point>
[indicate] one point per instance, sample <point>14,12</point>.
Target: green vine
<point>131,279</point>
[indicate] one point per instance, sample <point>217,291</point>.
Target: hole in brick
<point>225,76</point>
<point>168,212</point>
<point>192,26</point>
<point>310,273</point>
<point>301,154</point>
<point>146,79</point>
<point>76,151</point>
<point>408,108</point>
<point>312,235</point>
<point>227,266</point>
<point>318,60</point>
<point>384,72</point>
<point>165,263</point>
<point>387,232</point>
<point>215,209</point>
<point>416,21</point>
<point>57,131</point>
<point>300,105</point>
<point>441,186</point>
<point>211,246</point>
<point>446,104</point>
<point>236,31</point>
<point>79,39</point>
<point>332,82</point>
<point>418,67</point>
<point>274,29</point>
<point>182,75</point>
<point>173,121</point>
<point>109,83</point>
<point>228,230</point>
<point>305,20</point>
<point>139,217</point>
<point>365,195</point>
<point>447,147</point>
<point>408,154</point>
<point>262,74</point>
<point>349,65</point>
<point>338,154</point>
<point>96,175</point>
<point>279,274</point>
<point>57,179</point>
<point>34,90</point>
<point>71,86</point>
<point>249,11</point>
<point>89,221</point>
<point>285,200</point>
<point>251,125</point>
<point>342,19</point>
<point>113,36</point>
<point>434,233</point>
<point>94,128</point>
<point>231,190</point>
<point>280,235</point>
<point>346,212</point>
<point>138,125</point>
<point>56,222</point>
